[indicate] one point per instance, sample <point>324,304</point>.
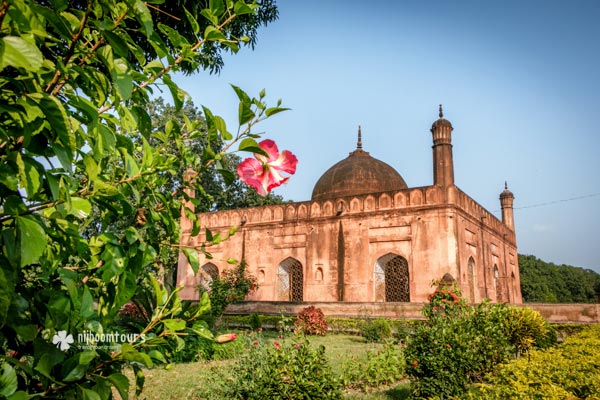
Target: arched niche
<point>355,205</point>
<point>385,201</point>
<point>400,199</point>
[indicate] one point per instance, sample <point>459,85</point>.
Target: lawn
<point>204,379</point>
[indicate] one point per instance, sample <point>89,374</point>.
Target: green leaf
<point>216,6</point>
<point>174,325</point>
<point>213,34</point>
<point>80,208</point>
<point>7,286</point>
<point>139,380</point>
<point>148,157</point>
<point>242,8</point>
<point>178,94</point>
<point>193,259</point>
<point>29,176</point>
<point>89,394</point>
<point>143,16</point>
<point>19,53</point>
<point>8,380</point>
<point>121,383</point>
<point>132,355</point>
<point>31,239</point>
<point>131,166</point>
<point>8,177</point>
<point>245,113</point>
<point>78,365</point>
<point>119,45</point>
<point>86,310</point>
<point>48,361</point>
<point>122,78</point>
<point>192,21</point>
<point>210,16</point>
<point>252,146</point>
<point>274,110</point>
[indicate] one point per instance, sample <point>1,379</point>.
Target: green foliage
<point>311,321</point>
<point>255,321</point>
<point>456,346</point>
<point>284,371</point>
<point>231,287</point>
<point>230,350</point>
<point>570,370</point>
<point>75,139</point>
<point>379,367</point>
<point>376,330</point>
<point>525,328</point>
<point>549,283</point>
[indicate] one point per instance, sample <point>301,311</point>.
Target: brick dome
<point>357,174</point>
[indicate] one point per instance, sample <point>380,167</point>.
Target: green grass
<point>203,379</point>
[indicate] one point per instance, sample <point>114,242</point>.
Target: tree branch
<point>3,11</point>
<point>166,69</point>
<point>74,39</point>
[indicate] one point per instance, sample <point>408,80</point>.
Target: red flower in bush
<point>264,173</point>
<point>415,364</point>
<point>255,342</point>
<point>276,344</point>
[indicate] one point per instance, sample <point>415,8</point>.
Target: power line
<point>558,201</point>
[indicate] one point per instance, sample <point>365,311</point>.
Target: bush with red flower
<point>456,345</point>
<point>311,321</point>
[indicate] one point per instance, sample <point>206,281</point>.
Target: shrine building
<point>365,236</point>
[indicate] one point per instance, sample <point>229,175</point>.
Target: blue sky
<point>519,80</point>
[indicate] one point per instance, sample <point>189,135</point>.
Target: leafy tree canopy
<point>76,138</point>
<point>551,283</point>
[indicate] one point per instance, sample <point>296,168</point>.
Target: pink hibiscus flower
<point>264,173</point>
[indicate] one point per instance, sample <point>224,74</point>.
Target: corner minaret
<point>506,202</point>
<point>443,165</point>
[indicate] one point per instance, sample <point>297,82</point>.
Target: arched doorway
<point>391,279</point>
<point>290,280</point>
<point>471,279</point>
<point>208,273</point>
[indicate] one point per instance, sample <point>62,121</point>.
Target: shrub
<point>380,367</point>
<point>255,321</point>
<point>456,346</point>
<point>232,287</point>
<point>311,321</point>
<point>570,370</point>
<point>376,330</point>
<point>284,371</point>
<point>525,327</point>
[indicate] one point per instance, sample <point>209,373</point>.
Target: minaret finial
<point>505,185</point>
<point>441,112</point>
<point>359,143</point>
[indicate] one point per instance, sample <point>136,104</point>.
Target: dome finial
<point>359,142</point>
<point>441,112</point>
<point>505,185</point>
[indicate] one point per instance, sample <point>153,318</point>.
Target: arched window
<point>497,287</point>
<point>513,289</point>
<point>208,273</point>
<point>290,280</point>
<point>471,279</point>
<point>391,278</point>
